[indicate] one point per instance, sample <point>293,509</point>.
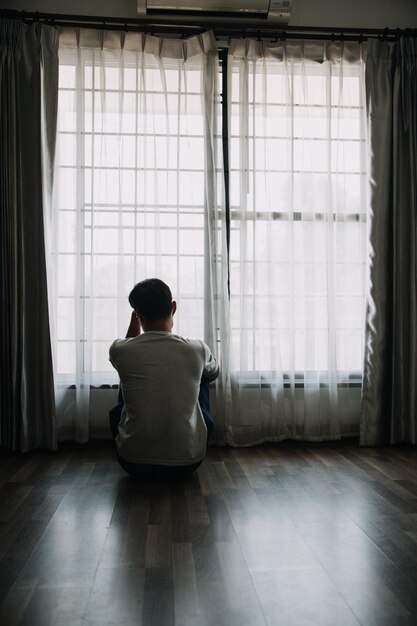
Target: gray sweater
<point>160,375</point>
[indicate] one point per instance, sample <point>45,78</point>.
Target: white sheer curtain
<point>135,197</point>
<point>138,193</point>
<point>298,240</point>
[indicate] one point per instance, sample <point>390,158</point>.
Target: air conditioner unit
<point>254,11</point>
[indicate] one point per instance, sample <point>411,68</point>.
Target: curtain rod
<point>251,29</point>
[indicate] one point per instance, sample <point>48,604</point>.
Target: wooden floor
<point>281,534</point>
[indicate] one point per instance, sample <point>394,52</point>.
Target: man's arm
<point>211,367</point>
<point>134,326</point>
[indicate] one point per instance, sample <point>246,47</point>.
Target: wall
<point>338,13</point>
<point>355,13</point>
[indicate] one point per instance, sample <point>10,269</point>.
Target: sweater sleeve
<point>113,351</point>
<point>211,367</point>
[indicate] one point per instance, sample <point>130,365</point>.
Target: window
<point>298,230</point>
<point>129,200</point>
<point>129,204</point>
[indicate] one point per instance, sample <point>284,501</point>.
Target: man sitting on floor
<point>162,422</point>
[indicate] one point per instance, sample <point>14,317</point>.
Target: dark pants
<point>162,471</point>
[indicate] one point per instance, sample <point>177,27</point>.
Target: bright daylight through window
<point>298,230</point>
<point>129,204</point>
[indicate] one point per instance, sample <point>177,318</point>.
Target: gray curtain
<point>389,399</point>
<point>28,110</point>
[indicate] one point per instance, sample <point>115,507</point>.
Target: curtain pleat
<point>297,253</point>
<point>136,195</point>
<point>28,73</point>
<point>389,401</point>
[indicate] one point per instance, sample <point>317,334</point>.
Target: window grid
<point>252,212</point>
<point>241,221</point>
<point>90,132</point>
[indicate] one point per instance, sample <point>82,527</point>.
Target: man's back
<point>160,373</point>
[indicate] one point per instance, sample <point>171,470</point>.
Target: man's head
<point>152,300</point>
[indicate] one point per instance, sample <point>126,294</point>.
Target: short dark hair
<point>152,298</point>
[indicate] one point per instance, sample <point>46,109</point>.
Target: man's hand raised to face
<point>134,326</point>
